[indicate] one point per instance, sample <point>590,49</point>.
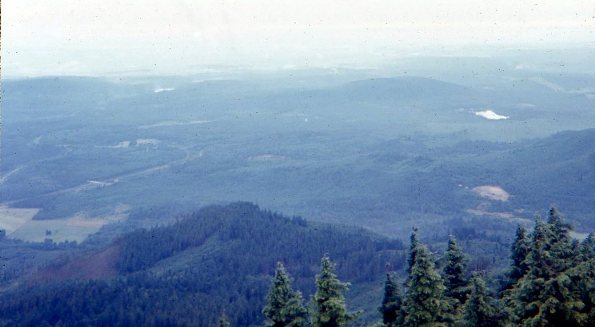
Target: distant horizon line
<point>485,51</point>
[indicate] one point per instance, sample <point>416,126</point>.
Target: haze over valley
<point>221,163</point>
<point>378,152</point>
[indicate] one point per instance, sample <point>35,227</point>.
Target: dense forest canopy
<point>197,272</point>
<point>304,163</point>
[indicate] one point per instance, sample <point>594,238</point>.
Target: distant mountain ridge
<point>404,86</point>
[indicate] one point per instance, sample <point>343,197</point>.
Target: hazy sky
<point>41,37</point>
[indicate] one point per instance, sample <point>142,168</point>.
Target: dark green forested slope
<point>219,258</point>
<point>215,266</point>
<point>551,283</point>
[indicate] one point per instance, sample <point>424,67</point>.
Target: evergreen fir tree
<point>284,307</point>
<point>413,245</point>
<point>480,310</point>
<point>560,244</point>
<point>538,258</point>
<point>546,295</point>
<point>557,224</point>
<point>454,274</point>
<point>329,309</point>
<point>582,275</point>
<point>424,301</point>
<point>391,309</point>
<point>518,255</point>
<point>582,287</point>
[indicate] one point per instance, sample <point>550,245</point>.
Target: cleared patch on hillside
<point>509,216</point>
<point>75,228</point>
<point>492,192</point>
<point>95,266</point>
<point>12,219</point>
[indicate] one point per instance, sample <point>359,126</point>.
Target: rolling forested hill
<point>219,258</point>
<point>219,261</point>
